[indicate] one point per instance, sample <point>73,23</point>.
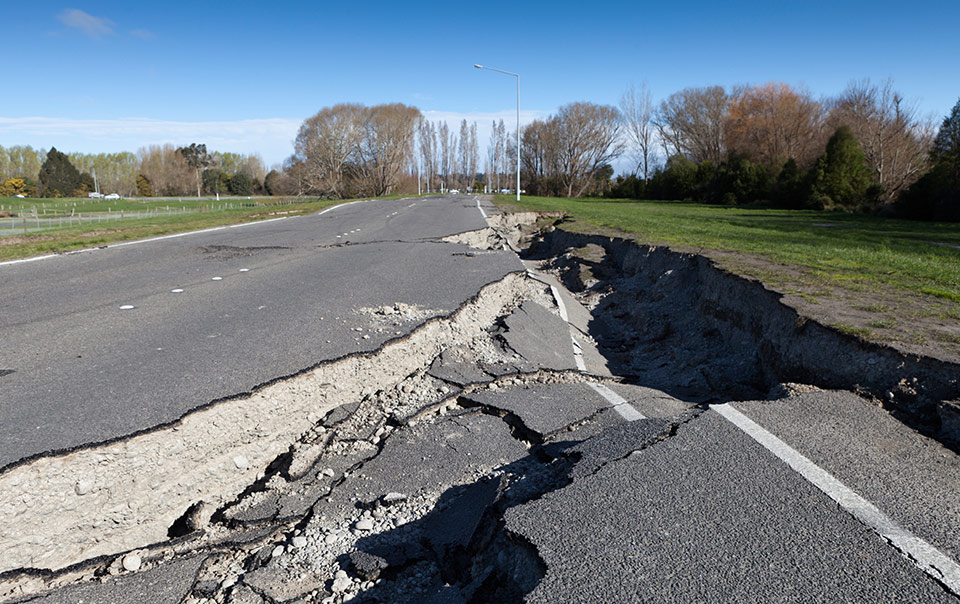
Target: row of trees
<point>350,149</point>
<point>155,170</point>
<point>776,143</point>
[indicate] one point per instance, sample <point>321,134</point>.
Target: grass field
<point>199,214</point>
<point>844,249</point>
<point>889,281</point>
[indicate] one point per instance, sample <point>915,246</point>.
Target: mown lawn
<point>845,250</point>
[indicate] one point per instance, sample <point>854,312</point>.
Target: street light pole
<point>516,75</point>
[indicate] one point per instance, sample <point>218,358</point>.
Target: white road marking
<point>927,557</point>
<point>482,212</point>
<point>244,270</point>
<point>176,291</point>
<point>127,307</point>
<point>217,279</point>
<point>34,259</point>
<point>619,404</point>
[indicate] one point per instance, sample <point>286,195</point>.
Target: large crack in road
<point>463,461</point>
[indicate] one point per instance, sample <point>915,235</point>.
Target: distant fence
<point>31,221</point>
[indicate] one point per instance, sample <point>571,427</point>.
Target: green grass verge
<point>845,250</point>
<point>92,234</point>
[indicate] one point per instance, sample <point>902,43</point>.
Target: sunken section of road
<point>470,461</point>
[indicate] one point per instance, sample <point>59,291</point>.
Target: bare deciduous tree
<point>636,108</point>
<point>572,145</point>
<point>166,169</point>
<point>773,122</point>
<point>691,122</point>
<point>385,146</point>
<point>325,144</point>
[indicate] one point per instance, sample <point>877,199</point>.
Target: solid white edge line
<point>619,404</point>
<point>927,557</point>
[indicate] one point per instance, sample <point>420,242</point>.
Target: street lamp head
<point>478,65</point>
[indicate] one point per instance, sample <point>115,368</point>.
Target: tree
<point>895,141</point>
<point>241,184</point>
<point>21,161</point>
<point>936,195</point>
<point>166,169</point>
<point>790,187</point>
<point>691,122</point>
<point>385,146</point>
<point>636,108</point>
<point>197,158</point>
<point>13,186</point>
<point>57,175</point>
<point>841,177</point>
<point>87,185</point>
<point>774,122</point>
<point>325,144</point>
<point>946,148</point>
<point>144,189</point>
<point>587,137</point>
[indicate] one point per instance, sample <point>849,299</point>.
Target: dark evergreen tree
<point>271,183</point>
<point>241,184</point>
<point>936,196</point>
<point>841,177</point>
<point>144,188</point>
<point>738,180</point>
<point>58,177</point>
<point>87,183</point>
<point>790,188</point>
<point>946,149</point>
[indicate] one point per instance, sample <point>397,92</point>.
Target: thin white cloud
<point>143,34</point>
<point>94,27</point>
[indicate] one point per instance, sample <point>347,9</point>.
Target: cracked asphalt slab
<point>708,516</point>
<point>491,470</point>
<point>913,479</point>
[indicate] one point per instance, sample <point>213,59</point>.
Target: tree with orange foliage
<point>773,122</point>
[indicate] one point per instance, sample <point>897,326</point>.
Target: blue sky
<point>241,76</point>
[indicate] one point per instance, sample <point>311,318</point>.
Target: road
<point>76,368</point>
<point>507,465</point>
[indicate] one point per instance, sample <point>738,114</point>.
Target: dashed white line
<point>176,291</point>
<point>216,278</point>
<point>127,307</point>
<point>928,558</point>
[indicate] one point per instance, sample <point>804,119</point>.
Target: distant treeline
<point>864,151</point>
<point>155,170</point>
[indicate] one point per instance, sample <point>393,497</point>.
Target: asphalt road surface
<point>76,367</point>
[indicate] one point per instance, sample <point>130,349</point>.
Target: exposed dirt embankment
<point>678,322</point>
